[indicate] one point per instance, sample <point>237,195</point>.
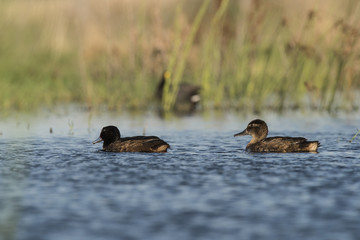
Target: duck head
<point>109,134</point>
<point>257,129</point>
<point>164,78</point>
<point>166,75</point>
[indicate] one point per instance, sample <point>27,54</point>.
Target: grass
<point>353,138</point>
<point>250,56</point>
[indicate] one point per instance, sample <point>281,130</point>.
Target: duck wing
<point>138,138</point>
<point>284,140</point>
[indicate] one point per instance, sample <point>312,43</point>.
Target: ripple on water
<point>206,187</point>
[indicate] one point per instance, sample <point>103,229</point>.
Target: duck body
<point>283,144</point>
<point>114,143</point>
<point>260,143</point>
<point>137,144</point>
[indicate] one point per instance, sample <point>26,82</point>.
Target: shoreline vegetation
<point>246,55</point>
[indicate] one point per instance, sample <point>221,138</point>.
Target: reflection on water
<point>60,186</point>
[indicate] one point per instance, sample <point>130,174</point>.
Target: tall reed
<point>181,56</point>
<point>249,55</point>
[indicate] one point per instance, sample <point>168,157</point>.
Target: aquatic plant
<point>178,62</point>
<point>353,138</point>
<point>71,127</point>
<point>250,55</point>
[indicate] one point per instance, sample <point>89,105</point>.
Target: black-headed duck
<point>260,143</point>
<point>114,143</point>
<point>188,95</point>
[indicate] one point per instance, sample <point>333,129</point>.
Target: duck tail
<point>313,146</point>
<point>162,148</point>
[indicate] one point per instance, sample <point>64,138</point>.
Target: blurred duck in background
<point>187,98</point>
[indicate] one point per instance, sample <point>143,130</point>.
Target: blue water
<point>60,186</point>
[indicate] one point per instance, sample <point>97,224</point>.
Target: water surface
<point>60,186</point>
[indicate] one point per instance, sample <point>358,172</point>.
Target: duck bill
<point>98,140</point>
<point>243,133</point>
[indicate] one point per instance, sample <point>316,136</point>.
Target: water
<point>60,186</point>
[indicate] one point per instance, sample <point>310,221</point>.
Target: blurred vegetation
<point>252,54</point>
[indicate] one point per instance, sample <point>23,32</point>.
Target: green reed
<point>170,93</point>
<point>251,57</point>
<point>353,138</point>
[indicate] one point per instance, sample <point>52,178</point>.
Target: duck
<point>188,95</point>
<point>258,129</point>
<point>113,142</point>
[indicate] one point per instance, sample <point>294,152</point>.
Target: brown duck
<point>260,143</point>
<point>114,143</point>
